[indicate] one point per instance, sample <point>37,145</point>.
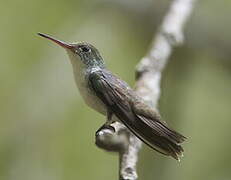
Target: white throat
<point>80,75</point>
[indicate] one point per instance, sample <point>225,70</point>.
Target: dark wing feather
<point>116,95</point>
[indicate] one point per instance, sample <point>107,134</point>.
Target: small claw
<point>111,128</point>
<point>105,126</point>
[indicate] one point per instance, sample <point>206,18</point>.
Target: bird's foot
<point>105,127</point>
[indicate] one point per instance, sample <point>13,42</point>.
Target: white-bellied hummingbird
<point>112,97</point>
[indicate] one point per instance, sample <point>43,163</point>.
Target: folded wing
<point>138,117</point>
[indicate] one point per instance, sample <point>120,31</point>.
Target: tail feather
<point>162,129</point>
<point>152,132</point>
<point>157,135</point>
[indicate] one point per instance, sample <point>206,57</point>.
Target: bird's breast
<point>81,80</point>
<point>88,95</point>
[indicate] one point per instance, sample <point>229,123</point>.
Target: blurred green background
<point>46,130</point>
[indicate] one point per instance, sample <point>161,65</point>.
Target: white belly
<point>80,78</point>
<point>90,99</point>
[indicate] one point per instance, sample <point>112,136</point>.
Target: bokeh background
<point>47,132</point>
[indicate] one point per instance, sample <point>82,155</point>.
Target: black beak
<point>61,43</point>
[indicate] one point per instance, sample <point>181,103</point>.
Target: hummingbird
<point>109,95</point>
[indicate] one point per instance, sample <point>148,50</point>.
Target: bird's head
<point>80,53</point>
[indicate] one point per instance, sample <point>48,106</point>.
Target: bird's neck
<point>81,70</point>
<point>79,65</point>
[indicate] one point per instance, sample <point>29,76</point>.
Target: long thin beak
<point>61,43</point>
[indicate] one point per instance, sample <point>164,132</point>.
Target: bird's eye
<point>84,49</point>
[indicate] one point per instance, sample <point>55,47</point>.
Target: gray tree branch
<point>148,76</point>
